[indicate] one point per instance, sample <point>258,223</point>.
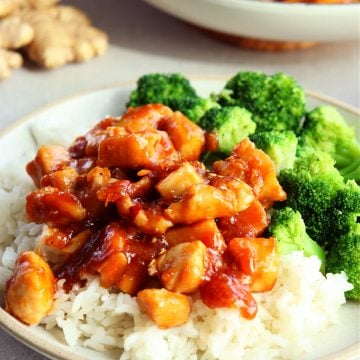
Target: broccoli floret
<point>160,88</point>
<point>326,130</point>
<point>230,124</point>
<point>345,256</point>
<point>345,210</point>
<point>193,107</point>
<point>311,187</point>
<point>288,227</point>
<point>279,145</point>
<point>277,102</point>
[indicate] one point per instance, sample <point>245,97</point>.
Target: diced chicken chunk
<point>146,117</point>
<point>255,168</point>
<point>54,207</point>
<point>205,231</point>
<point>182,267</point>
<point>250,222</point>
<point>178,181</point>
<point>258,258</point>
<point>47,160</point>
<point>165,308</point>
<point>148,149</point>
<point>227,197</point>
<point>187,137</point>
<point>64,180</point>
<point>112,269</point>
<point>152,221</point>
<point>29,293</point>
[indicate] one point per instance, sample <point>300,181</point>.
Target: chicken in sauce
<point>130,202</point>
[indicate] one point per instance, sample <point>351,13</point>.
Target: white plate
<point>269,20</point>
<point>76,115</point>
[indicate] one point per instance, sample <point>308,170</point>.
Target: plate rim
<point>61,351</point>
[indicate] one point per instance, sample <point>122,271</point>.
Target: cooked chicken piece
<point>205,231</point>
<point>228,289</point>
<point>152,221</point>
<point>47,160</point>
<point>54,207</point>
<point>178,181</point>
<point>258,258</point>
<point>226,197</point>
<point>165,308</point>
<point>94,138</point>
<point>64,180</point>
<point>133,279</point>
<point>250,222</point>
<point>77,242</point>
<point>112,269</point>
<point>182,267</point>
<point>145,117</point>
<point>187,137</point>
<point>149,149</point>
<point>255,168</point>
<point>29,293</point>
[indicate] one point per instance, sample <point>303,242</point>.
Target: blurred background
<point>143,39</point>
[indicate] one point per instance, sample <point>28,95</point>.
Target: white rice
<point>302,304</point>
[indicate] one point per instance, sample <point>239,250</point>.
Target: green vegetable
<point>345,210</point>
<point>311,187</point>
<point>345,256</point>
<point>172,90</point>
<point>289,230</point>
<point>279,145</point>
<point>276,102</point>
<point>193,107</point>
<point>160,88</point>
<point>230,124</point>
<point>326,130</point>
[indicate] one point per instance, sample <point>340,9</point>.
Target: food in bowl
<point>103,319</point>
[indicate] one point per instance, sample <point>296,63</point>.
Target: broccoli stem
<point>352,171</point>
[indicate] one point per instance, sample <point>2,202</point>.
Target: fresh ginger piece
<point>62,35</point>
<point>34,4</point>
<point>15,32</point>
<point>182,267</point>
<point>7,7</point>
<point>9,60</point>
<point>178,181</point>
<point>165,308</point>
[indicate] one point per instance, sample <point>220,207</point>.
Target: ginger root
<point>63,34</point>
<point>15,33</point>
<point>49,35</point>
<point>8,60</point>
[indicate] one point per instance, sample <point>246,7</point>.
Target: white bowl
<point>269,20</point>
<point>75,116</point>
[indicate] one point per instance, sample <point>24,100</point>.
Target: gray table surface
<point>145,40</point>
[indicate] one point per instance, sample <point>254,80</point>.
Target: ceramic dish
<point>269,20</point>
<point>20,142</point>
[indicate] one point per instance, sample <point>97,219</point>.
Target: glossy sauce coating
<point>131,202</point>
